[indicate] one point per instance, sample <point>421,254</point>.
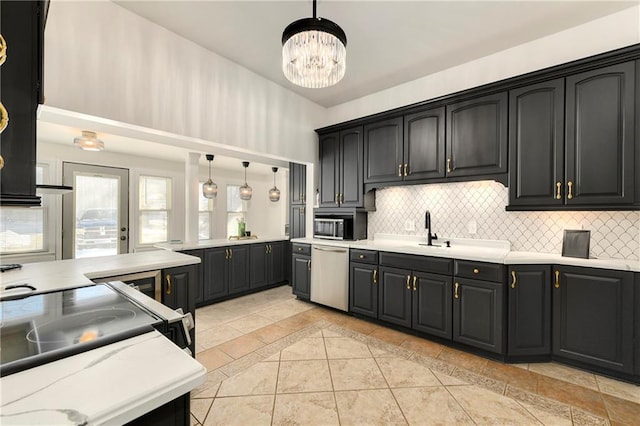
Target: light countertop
<point>222,242</point>
<point>112,384</point>
<point>493,251</point>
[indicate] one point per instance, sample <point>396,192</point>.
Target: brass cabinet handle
<point>455,291</point>
<point>1,162</point>
<point>513,279</point>
<point>557,284</point>
<point>299,248</point>
<point>361,256</point>
<point>266,249</point>
<point>570,191</point>
<point>448,165</point>
<point>400,170</point>
<point>4,118</point>
<point>415,278</point>
<point>558,190</point>
<point>375,276</point>
<point>269,248</point>
<point>3,50</point>
<point>341,198</point>
<point>337,200</point>
<point>406,169</point>
<point>230,254</point>
<point>226,254</point>
<point>168,284</point>
<point>476,270</point>
<point>408,280</point>
<point>309,264</point>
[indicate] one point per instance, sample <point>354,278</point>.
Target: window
<point>236,209</point>
<point>155,207</point>
<point>22,230</point>
<point>205,216</point>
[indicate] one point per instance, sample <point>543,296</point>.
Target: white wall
<point>598,36</point>
<point>102,60</point>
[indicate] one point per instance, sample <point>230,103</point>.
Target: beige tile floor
<point>276,360</point>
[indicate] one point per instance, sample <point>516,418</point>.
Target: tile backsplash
<point>456,207</point>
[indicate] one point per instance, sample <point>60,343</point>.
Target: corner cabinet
<point>301,270</point>
<point>477,136</point>
<point>593,317</point>
<point>199,290</point>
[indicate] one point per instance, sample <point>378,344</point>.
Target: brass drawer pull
<point>408,281</point>
<point>513,279</point>
<point>414,283</point>
<point>570,191</point>
<point>3,50</point>
<point>230,254</point>
<point>4,118</point>
<point>558,190</point>
<point>168,284</point>
<point>406,169</point>
<point>226,254</point>
<point>476,270</point>
<point>557,283</point>
<point>309,264</point>
<point>375,276</point>
<point>448,165</point>
<point>455,291</point>
<point>400,170</point>
<point>361,256</point>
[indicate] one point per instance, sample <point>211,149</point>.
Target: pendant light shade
<point>245,190</point>
<point>89,141</point>
<point>274,193</point>
<point>314,52</point>
<point>209,188</point>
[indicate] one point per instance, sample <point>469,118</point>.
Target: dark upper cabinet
<point>341,169</point>
<point>476,139</point>
<point>199,290</point>
<point>432,304</point>
<point>238,265</point>
<point>600,135</point>
<point>363,289</point>
<point>216,281</point>
<point>21,91</point>
<point>424,145</point>
<point>383,157</point>
<point>529,307</point>
<point>297,220</point>
<point>593,317</point>
<point>536,144</point>
<point>394,296</point>
<point>297,183</point>
<point>478,314</point>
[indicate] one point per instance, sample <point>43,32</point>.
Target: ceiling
<point>388,42</point>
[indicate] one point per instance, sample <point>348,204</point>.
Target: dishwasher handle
<point>330,250</point>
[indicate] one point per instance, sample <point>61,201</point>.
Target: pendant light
<point>245,190</point>
<point>314,52</point>
<point>89,141</point>
<point>209,188</point>
<point>274,193</point>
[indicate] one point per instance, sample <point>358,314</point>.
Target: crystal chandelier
<point>314,52</point>
<point>274,193</point>
<point>209,188</point>
<point>245,190</point>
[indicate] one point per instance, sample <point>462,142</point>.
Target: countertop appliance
<point>330,276</point>
<point>333,229</point>
<point>39,328</point>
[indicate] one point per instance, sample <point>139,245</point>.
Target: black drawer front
<point>364,256</point>
<point>299,248</point>
<point>434,265</point>
<point>479,270</point>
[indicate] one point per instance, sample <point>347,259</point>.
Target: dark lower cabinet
<point>529,306</point>
<point>363,289</point>
<point>301,275</point>
<point>395,296</point>
<point>432,304</point>
<point>266,264</point>
<point>477,314</point>
<point>199,291</point>
<point>179,287</point>
<point>593,317</point>
<point>216,281</point>
<point>238,264</point>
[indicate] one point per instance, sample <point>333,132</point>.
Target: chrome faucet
<point>427,225</point>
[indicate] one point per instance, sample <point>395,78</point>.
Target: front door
<point>95,216</point>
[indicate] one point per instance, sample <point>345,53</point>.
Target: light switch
<point>409,225</point>
<point>472,227</point>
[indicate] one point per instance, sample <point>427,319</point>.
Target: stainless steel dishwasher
<point>330,276</point>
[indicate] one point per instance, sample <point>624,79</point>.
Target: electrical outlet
<point>409,225</point>
<point>472,227</point>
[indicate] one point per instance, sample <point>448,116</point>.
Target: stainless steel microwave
<point>332,228</point>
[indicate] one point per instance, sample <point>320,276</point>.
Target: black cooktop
<point>46,327</point>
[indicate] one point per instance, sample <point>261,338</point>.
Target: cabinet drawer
<point>299,248</point>
<point>479,270</point>
<point>364,256</point>
<point>435,265</point>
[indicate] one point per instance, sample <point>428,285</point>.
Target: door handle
<point>513,279</point>
<point>408,280</point>
<point>375,276</point>
<point>168,284</point>
<point>414,282</point>
<point>455,291</point>
<point>557,283</point>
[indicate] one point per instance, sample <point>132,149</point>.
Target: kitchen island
<point>111,384</point>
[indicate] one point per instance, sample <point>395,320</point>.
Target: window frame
<point>228,212</point>
<point>140,211</point>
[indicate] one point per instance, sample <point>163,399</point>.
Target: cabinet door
<point>424,144</point>
<point>298,183</point>
<point>600,135</point>
<point>363,289</point>
<point>593,317</point>
<point>351,187</point>
<point>298,218</point>
<point>178,291</point>
<point>301,275</point>
<point>529,324</point>
<point>276,262</point>
<point>199,290</point>
<point>477,314</point>
<point>536,144</point>
<point>432,304</point>
<point>477,136</point>
<point>215,273</point>
<point>383,160</point>
<point>329,169</point>
<point>258,265</point>
<point>394,297</point>
<point>239,269</point>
